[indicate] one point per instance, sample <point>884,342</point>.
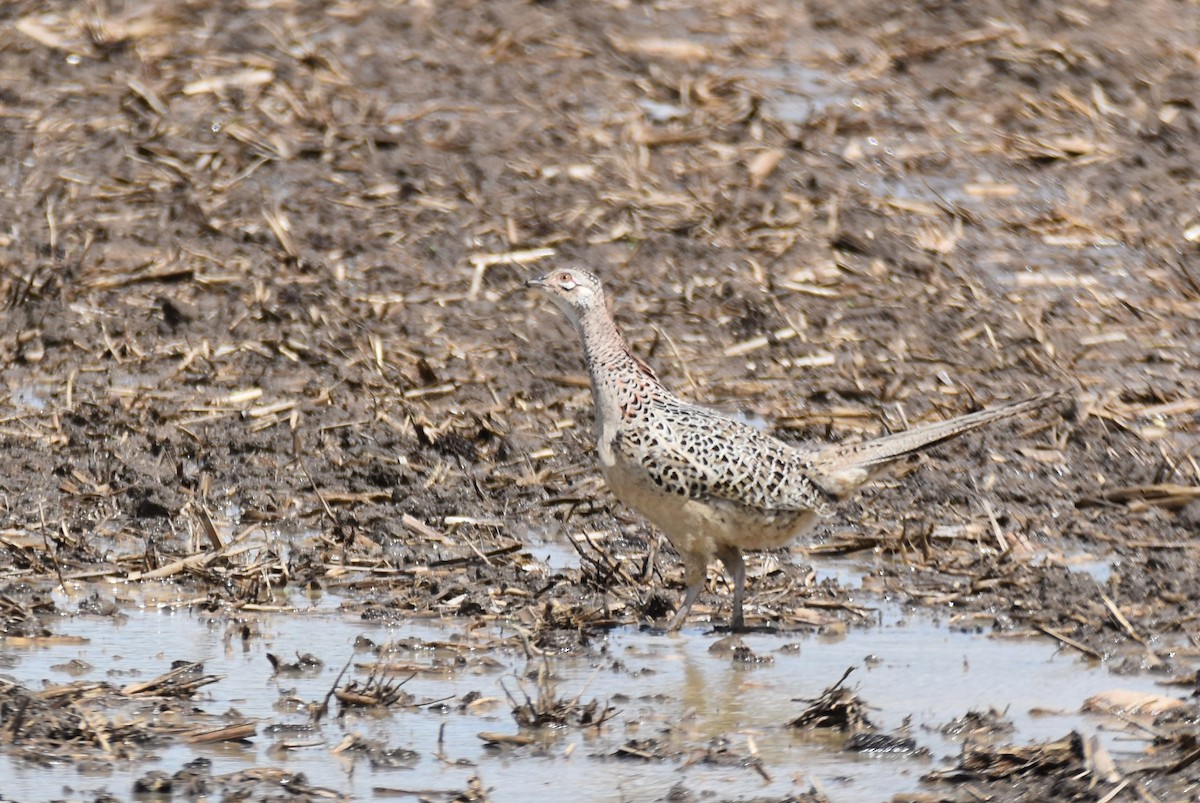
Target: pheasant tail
<point>845,467</point>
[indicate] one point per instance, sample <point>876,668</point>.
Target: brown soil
<point>254,275</point>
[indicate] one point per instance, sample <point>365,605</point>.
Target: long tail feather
<point>848,467</point>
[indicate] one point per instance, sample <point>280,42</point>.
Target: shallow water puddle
<point>797,94</point>
<point>658,683</point>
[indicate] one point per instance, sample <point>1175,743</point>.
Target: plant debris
<point>837,708</point>
<point>265,357</point>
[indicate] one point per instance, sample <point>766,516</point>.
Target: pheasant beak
<point>537,281</point>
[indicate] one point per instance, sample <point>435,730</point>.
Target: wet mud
<point>298,498</point>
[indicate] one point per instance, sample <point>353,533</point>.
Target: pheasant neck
<point>616,375</point>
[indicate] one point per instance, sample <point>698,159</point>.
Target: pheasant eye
<point>568,281</point>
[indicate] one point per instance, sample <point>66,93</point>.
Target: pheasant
<point>716,486</point>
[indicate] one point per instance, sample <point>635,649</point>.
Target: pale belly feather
<point>698,528</point>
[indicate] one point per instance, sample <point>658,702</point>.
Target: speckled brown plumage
<point>712,484</point>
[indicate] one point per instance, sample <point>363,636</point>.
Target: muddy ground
<point>264,328</point>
